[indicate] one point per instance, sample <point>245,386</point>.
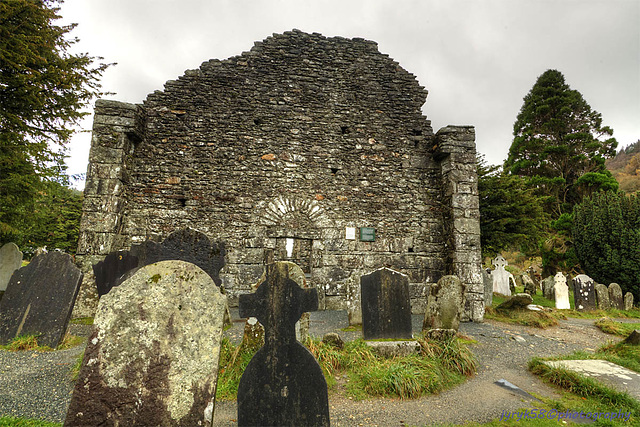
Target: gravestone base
<point>440,334</point>
<point>389,349</point>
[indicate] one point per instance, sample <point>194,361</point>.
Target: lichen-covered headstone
<point>615,296</point>
<point>602,296</point>
<point>584,295</point>
<point>547,288</point>
<point>386,305</point>
<point>528,284</point>
<point>488,288</point>
<point>39,299</point>
<point>153,356</point>
<point>10,261</point>
<point>501,277</point>
<point>444,304</point>
<point>561,292</point>
<point>628,301</point>
<point>283,384</point>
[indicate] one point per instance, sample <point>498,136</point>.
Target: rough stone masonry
<point>306,149</point>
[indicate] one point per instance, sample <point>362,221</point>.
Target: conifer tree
<point>558,139</point>
<point>43,88</point>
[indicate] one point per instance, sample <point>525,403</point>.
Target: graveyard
<point>281,238</point>
<point>368,374</point>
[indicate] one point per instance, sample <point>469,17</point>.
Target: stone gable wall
<point>298,138</point>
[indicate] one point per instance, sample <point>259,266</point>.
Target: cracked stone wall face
<point>290,144</point>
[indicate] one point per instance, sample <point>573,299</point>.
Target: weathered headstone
<point>297,275</point>
<point>602,296</point>
<point>584,295</point>
<point>615,296</point>
<point>354,303</point>
<point>633,338</point>
<point>10,261</point>
<point>386,305</point>
<point>561,292</point>
<point>114,266</point>
<point>153,357</point>
<point>488,288</point>
<point>39,299</point>
<point>501,277</point>
<point>628,301</point>
<point>528,283</point>
<point>283,384</point>
<point>186,244</point>
<point>444,304</point>
<point>547,288</point>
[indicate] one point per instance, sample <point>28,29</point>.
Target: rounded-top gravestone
<point>153,356</point>
<point>602,296</point>
<point>10,261</point>
<point>615,296</point>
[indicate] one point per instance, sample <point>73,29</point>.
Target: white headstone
<point>561,292</point>
<point>501,276</point>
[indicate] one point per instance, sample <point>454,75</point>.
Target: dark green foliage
<point>558,139</point>
<point>511,216</point>
<point>606,236</point>
<point>51,219</point>
<point>43,89</point>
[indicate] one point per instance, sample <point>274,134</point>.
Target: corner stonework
<point>455,150</point>
<point>117,127</point>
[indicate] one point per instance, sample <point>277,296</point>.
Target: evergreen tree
<point>558,139</point>
<point>606,236</point>
<point>511,216</point>
<point>43,88</point>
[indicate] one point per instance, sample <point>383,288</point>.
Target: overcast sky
<point>477,58</point>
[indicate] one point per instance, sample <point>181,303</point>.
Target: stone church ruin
<point>306,149</point>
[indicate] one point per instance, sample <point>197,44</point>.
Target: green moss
<point>155,278</point>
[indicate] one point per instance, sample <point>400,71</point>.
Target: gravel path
<point>38,385</point>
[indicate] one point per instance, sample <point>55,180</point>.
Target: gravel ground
<point>38,384</point>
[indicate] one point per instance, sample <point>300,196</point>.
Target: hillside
<point>625,167</point>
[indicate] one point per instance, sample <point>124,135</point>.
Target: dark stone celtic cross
<point>283,385</point>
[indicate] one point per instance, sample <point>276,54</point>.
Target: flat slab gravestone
<point>153,356</point>
<point>616,376</point>
<point>602,296</point>
<point>501,277</point>
<point>615,296</point>
<point>584,293</point>
<point>386,305</point>
<point>445,303</point>
<point>561,292</point>
<point>10,261</point>
<point>283,384</point>
<point>39,299</point>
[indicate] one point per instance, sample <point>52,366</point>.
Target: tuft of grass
<point>82,321</point>
<point>352,328</point>
<point>439,365</point>
<point>538,319</point>
<point>23,422</point>
<point>70,341</point>
<point>609,326</point>
<point>233,361</point>
<point>75,369</point>
<point>24,343</point>
<point>586,387</point>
